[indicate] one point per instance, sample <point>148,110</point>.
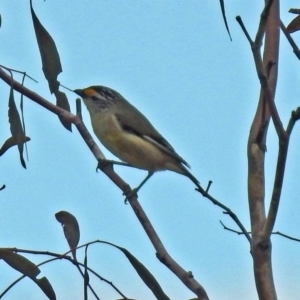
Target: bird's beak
<point>79,92</point>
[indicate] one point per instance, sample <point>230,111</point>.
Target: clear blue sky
<point>174,61</point>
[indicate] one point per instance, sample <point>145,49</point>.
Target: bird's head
<point>98,97</point>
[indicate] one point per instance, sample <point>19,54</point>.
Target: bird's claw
<point>129,193</point>
<point>102,163</point>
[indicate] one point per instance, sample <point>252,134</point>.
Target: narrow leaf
<point>10,142</point>
<point>46,287</point>
<point>86,275</point>
<point>22,113</point>
<point>71,229</point>
<point>49,54</point>
<point>62,101</point>
<point>145,275</point>
<point>224,17</point>
<point>27,268</point>
<point>294,25</point>
<point>20,263</point>
<point>16,125</point>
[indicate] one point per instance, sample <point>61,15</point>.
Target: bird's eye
<point>94,98</point>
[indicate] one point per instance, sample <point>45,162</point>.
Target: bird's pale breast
<point>129,147</point>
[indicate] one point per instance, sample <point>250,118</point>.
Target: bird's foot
<point>102,163</point>
<point>129,193</point>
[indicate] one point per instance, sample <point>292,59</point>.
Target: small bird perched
<point>128,134</point>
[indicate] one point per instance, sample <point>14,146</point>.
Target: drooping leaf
<point>62,101</point>
<point>22,112</point>
<point>16,125</point>
<point>46,287</point>
<point>145,275</point>
<point>294,25</point>
<point>20,263</point>
<point>29,269</point>
<point>10,142</point>
<point>49,54</point>
<point>224,17</point>
<point>71,229</point>
<point>86,275</point>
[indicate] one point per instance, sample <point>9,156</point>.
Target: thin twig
<point>273,233</point>
<point>20,72</point>
<point>240,21</point>
<point>279,175</point>
<point>295,116</point>
<point>290,39</point>
<point>227,211</point>
<point>286,236</point>
<point>233,230</point>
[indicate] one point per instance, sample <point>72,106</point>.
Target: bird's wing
<point>139,125</point>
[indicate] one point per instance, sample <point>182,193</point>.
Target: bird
<point>129,135</point>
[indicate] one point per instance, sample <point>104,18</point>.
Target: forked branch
<point>162,253</point>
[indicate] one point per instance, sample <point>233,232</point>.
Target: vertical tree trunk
<point>261,246</point>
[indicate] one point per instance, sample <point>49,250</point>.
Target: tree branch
<point>261,245</point>
<point>273,233</point>
<point>290,39</point>
<point>162,253</point>
<point>279,175</point>
<point>227,211</point>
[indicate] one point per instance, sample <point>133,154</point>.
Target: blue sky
<point>174,61</point>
